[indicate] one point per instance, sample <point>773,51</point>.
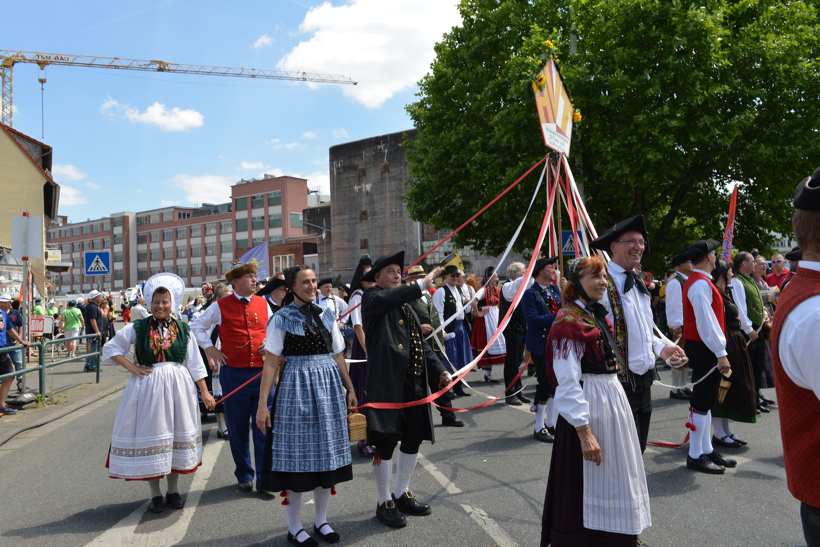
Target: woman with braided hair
<point>307,446</point>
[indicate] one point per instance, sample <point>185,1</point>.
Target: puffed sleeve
<point>119,345</point>
<point>193,360</point>
<point>338,340</point>
<point>274,340</point>
<point>569,395</point>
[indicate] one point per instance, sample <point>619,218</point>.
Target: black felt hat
<point>382,263</point>
<point>452,269</point>
<point>795,255</point>
<point>700,248</point>
<point>632,224</point>
<point>541,262</point>
<point>680,258</point>
<point>807,193</point>
<point>324,282</point>
<point>272,284</point>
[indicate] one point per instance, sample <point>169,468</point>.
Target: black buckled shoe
<point>704,465</point>
<point>389,514</point>
<point>762,408</point>
<point>716,458</point>
<point>766,399</point>
<point>726,441</point>
<point>157,505</point>
<point>308,542</point>
<point>407,504</point>
<point>330,537</point>
<point>544,436</point>
<point>679,394</point>
<point>739,441</point>
<point>174,501</point>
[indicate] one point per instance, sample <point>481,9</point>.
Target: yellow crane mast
<point>9,58</point>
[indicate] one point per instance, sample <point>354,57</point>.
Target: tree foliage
<point>678,100</point>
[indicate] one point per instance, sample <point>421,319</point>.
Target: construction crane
<point>9,58</point>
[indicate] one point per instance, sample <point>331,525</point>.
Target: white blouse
<point>355,314</point>
<point>121,345</point>
<point>569,395</point>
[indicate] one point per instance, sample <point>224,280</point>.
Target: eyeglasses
<point>633,242</point>
<point>776,261</point>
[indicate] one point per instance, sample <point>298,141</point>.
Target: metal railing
<point>42,367</point>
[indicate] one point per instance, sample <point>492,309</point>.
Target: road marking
<point>124,532</point>
<point>745,464</point>
<point>438,475</point>
<point>489,526</point>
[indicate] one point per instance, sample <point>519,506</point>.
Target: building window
<point>296,220</point>
<point>167,216</point>
<point>241,243</point>
<point>154,218</point>
<point>257,201</point>
<point>86,245</point>
<point>106,225</point>
<point>225,227</point>
<point>106,243</point>
<point>275,197</point>
<point>75,263</point>
<point>226,248</point>
<point>87,229</point>
<point>117,222</point>
<point>66,248</point>
<point>142,238</point>
<point>75,231</point>
<point>275,220</point>
<point>117,275</point>
<point>210,269</point>
<point>210,249</point>
<point>241,224</point>
<point>118,256</point>
<point>118,239</point>
<point>282,262</point>
<point>258,222</point>
<point>142,221</point>
<point>167,253</point>
<point>76,278</point>
<point>76,246</point>
<point>182,252</point>
<point>225,267</point>
<point>257,241</point>
<point>154,236</point>
<point>196,231</point>
<point>142,274</point>
<point>196,270</point>
<point>210,229</point>
<point>154,271</point>
<point>276,240</point>
<point>142,256</point>
<point>95,227</point>
<point>182,233</point>
<point>155,254</point>
<point>95,244</point>
<point>167,235</point>
<point>182,271</point>
<point>241,204</point>
<point>196,250</point>
<point>183,215</point>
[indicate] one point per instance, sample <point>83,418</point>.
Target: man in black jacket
<point>398,363</point>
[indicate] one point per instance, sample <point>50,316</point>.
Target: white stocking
<point>293,509</point>
<point>405,465</point>
<point>321,499</point>
<point>540,410</point>
<point>701,423</point>
<point>706,439</point>
<point>552,413</point>
<point>384,474</point>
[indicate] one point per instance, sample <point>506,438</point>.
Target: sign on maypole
<point>729,234</point>
<point>555,112</point>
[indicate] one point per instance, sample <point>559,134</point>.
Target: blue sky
<point>129,140</point>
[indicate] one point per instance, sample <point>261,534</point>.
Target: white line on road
<point>124,532</point>
<point>489,526</point>
<point>439,476</point>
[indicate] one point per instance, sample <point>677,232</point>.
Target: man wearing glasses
<point>243,318</point>
<point>629,310</point>
<point>779,272</point>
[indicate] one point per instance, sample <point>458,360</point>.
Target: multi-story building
<point>197,243</point>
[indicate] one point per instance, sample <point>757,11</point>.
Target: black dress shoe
<point>389,514</point>
<point>330,537</point>
<point>544,436</point>
<point>679,394</point>
<point>704,465</point>
<point>738,441</point>
<point>716,458</point>
<point>551,430</point>
<point>514,401</point>
<point>462,393</point>
<point>157,505</point>
<point>407,503</point>
<point>489,380</point>
<point>174,501</point>
<point>452,422</point>
<point>763,409</point>
<point>726,441</point>
<point>688,392</point>
<point>309,542</point>
<point>767,400</point>
<point>246,486</point>
<point>523,399</point>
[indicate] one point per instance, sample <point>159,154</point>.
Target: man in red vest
<point>704,328</point>
<point>796,368</point>
<point>242,320</point>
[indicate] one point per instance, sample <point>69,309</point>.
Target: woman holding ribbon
<point>157,432</point>
<point>307,446</point>
<point>596,490</point>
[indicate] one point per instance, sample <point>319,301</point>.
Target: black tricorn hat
<point>636,224</point>
<point>699,249</point>
<point>272,284</point>
<point>382,263</point>
<point>324,282</point>
<point>807,193</point>
<point>541,262</point>
<point>794,255</point>
<point>452,269</point>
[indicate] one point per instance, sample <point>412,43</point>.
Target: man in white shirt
<point>449,302</point>
<point>326,299</point>
<point>630,312</point>
<point>138,310</point>
<point>674,318</point>
<point>705,333</point>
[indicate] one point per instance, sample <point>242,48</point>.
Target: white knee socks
<point>540,411</point>
<point>321,499</point>
<point>552,413</point>
<point>702,428</point>
<point>293,508</point>
<point>384,474</point>
<point>405,465</point>
<point>173,479</point>
<point>706,439</point>
<point>720,431</point>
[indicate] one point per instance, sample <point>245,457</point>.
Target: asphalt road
<point>485,482</point>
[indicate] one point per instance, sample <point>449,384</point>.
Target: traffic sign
<point>97,263</point>
<point>568,242</point>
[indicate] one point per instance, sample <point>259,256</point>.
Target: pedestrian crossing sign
<point>568,242</point>
<point>98,263</point>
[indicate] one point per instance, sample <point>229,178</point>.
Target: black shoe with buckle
<point>330,537</point>
<point>766,400</point>
<point>726,441</point>
<point>308,542</point>
<point>762,408</point>
<point>717,459</point>
<point>704,465</point>
<point>688,392</point>
<point>407,503</point>
<point>174,501</point>
<point>489,380</point>
<point>389,514</point>
<point>679,394</point>
<point>544,436</point>
<point>157,505</point>
<point>739,441</point>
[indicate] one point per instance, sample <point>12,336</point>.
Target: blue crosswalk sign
<point>97,263</point>
<point>568,242</point>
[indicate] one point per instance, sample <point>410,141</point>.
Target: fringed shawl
<point>291,319</point>
<point>573,332</point>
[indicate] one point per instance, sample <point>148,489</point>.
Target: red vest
<point>690,328</point>
<point>242,331</point>
<point>798,407</point>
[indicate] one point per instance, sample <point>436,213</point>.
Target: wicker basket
<point>357,426</point>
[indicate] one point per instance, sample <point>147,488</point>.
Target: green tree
<point>678,100</point>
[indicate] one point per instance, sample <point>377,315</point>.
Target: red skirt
<point>478,341</point>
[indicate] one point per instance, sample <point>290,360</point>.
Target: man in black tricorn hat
<point>795,347</point>
<point>274,291</point>
<point>326,298</point>
<point>630,312</point>
<point>398,363</point>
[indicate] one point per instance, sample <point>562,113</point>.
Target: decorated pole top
<point>555,112</point>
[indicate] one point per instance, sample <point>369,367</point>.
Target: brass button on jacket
<point>400,346</point>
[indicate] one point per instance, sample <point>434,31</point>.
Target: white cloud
<point>168,202</point>
<point>340,133</point>
<point>311,135</point>
<point>276,144</point>
<point>204,188</point>
<point>71,196</point>
<point>157,114</point>
<point>385,46</point>
<point>252,165</point>
<point>263,41</point>
<point>67,171</point>
<point>320,179</point>
<point>92,185</point>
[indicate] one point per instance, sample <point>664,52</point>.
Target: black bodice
<point>309,344</point>
<point>606,365</point>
